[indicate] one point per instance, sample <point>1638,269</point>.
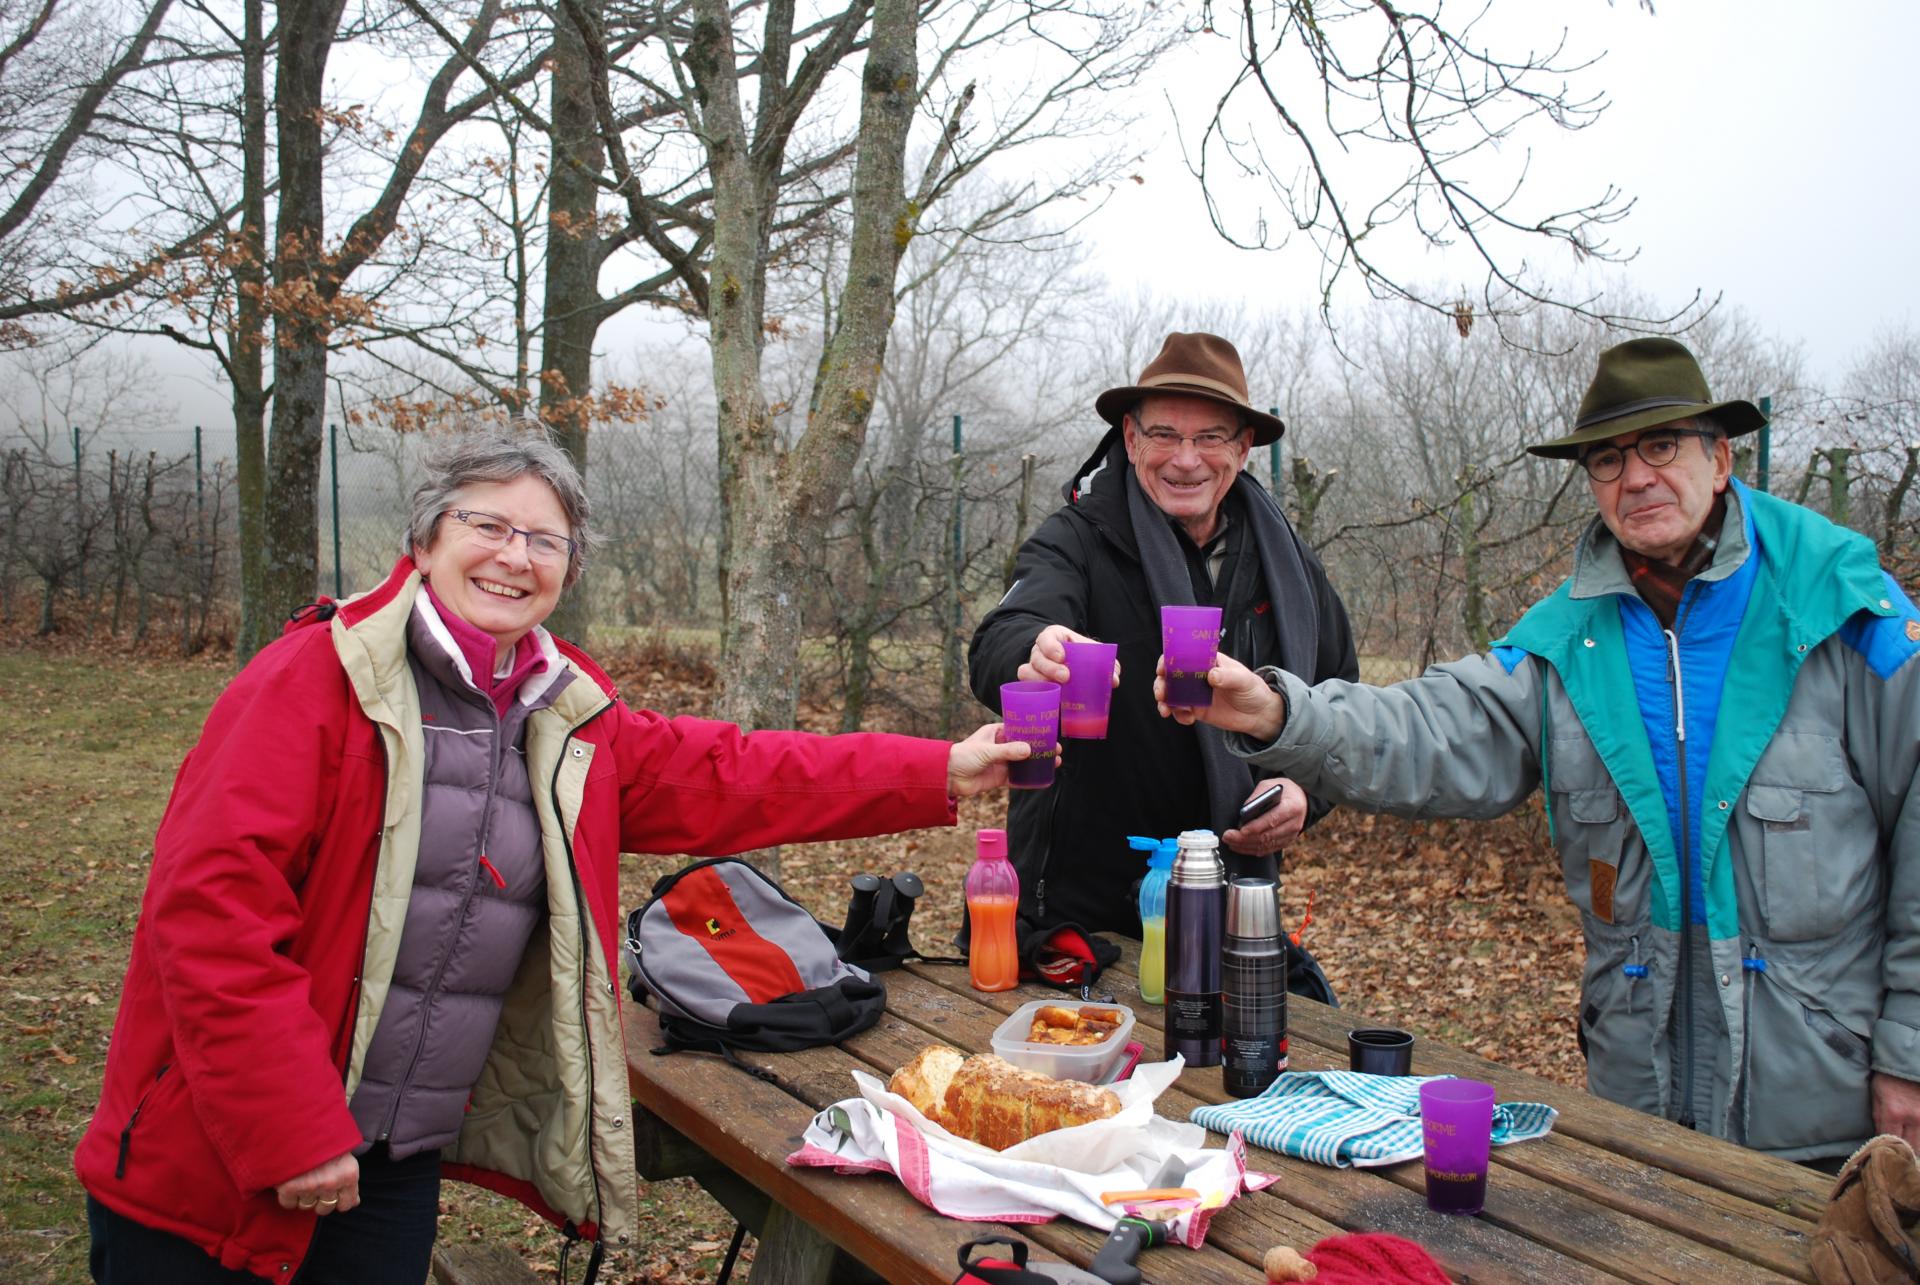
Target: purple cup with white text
<point>1088,691</point>
<point>1030,712</point>
<point>1189,640</point>
<point>1456,1121</point>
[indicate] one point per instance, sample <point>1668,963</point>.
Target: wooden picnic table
<point>1610,1194</point>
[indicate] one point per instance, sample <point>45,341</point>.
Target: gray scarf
<point>1296,616</point>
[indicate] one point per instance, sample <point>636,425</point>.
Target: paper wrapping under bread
<point>1062,1173</point>
<point>1097,1147</point>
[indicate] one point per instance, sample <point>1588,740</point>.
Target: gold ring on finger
<point>330,1201</point>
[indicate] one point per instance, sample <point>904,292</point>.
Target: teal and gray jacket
<point>1732,802</point>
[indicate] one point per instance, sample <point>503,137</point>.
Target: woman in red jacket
<point>384,895</point>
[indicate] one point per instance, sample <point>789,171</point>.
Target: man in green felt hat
<point>1722,706</point>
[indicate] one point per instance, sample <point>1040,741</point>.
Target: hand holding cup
<point>1242,701</point>
<point>980,763</point>
<point>1047,662</point>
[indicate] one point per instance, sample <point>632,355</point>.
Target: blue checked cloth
<point>1345,1118</point>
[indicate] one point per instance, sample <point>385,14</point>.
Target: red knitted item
<point>1374,1258</point>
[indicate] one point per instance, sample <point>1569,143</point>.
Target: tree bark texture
<point>301,282</point>
<point>753,534</point>
<point>247,346</point>
<point>778,504</point>
<point>570,308</point>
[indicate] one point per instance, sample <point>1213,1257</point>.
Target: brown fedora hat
<point>1193,365</point>
<point>1644,383</point>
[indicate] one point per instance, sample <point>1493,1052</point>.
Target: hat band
<point>1631,408</point>
<point>1195,381</point>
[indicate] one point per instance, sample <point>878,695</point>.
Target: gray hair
<point>1132,412</point>
<point>499,455</point>
<point>1708,424</point>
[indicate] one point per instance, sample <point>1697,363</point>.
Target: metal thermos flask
<point>1253,976</point>
<point>1196,917</point>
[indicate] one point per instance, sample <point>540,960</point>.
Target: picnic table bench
<point>1610,1194</point>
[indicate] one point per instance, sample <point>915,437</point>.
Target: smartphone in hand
<point>1262,803</point>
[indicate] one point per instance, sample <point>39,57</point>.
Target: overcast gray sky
<point>1768,145</point>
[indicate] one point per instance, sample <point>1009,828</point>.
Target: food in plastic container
<point>1092,1063</point>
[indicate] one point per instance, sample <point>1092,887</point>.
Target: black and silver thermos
<point>1196,912</point>
<point>1253,976</point>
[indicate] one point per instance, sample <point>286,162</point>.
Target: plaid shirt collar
<point>1660,585</point>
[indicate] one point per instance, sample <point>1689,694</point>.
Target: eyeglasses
<point>1167,441</point>
<point>496,533</point>
<point>1658,449</point>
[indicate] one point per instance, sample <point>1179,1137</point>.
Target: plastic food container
<point>1094,1063</point>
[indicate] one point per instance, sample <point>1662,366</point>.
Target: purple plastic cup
<point>1030,712</point>
<point>1088,691</point>
<point>1456,1117</point>
<point>1189,639</point>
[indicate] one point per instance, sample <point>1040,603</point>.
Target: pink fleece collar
<point>480,650</point>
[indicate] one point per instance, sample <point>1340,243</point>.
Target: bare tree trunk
<point>779,507</point>
<point>760,631</point>
<point>1310,487</point>
<point>247,348</point>
<point>1897,497</point>
<point>570,309</point>
<point>1019,521</point>
<point>1839,484</point>
<point>1473,588</point>
<point>853,706</point>
<point>301,270</point>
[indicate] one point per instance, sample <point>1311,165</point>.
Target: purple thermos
<point>1196,918</point>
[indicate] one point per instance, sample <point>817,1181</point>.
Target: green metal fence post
<point>1273,459</point>
<point>205,562</point>
<point>950,654</point>
<point>1763,472</point>
<point>79,515</point>
<point>333,460</point>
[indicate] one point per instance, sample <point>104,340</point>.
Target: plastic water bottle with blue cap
<point>1153,914</point>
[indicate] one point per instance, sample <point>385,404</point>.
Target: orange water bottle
<point>993,895</point>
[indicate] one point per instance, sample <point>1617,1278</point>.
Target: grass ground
<point>1455,930</point>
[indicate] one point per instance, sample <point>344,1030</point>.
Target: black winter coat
<point>1082,569</point>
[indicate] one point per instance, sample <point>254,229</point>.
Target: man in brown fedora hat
<point>1722,707</point>
<point>1160,513</point>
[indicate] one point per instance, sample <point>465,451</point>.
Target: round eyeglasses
<point>494,532</point>
<point>1658,448</point>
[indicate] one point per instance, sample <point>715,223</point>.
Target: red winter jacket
<point>273,910</point>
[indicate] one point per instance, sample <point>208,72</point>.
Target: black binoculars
<point>878,913</point>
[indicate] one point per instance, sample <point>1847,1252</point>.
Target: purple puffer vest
<point>479,891</point>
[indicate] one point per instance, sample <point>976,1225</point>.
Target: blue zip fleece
<point>1707,623</point>
<point>1742,643</point>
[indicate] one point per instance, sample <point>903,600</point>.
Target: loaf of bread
<point>924,1080</point>
<point>991,1101</point>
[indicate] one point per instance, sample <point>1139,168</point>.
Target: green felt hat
<point>1644,383</point>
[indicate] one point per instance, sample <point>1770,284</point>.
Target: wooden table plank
<point>1780,1185</point>
<point>752,1126</point>
<point>1607,1218</point>
<point>1611,1194</point>
<point>1340,1199</point>
<point>871,1216</point>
